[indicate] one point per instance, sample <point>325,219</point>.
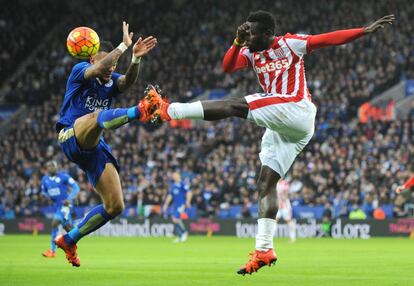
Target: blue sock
<point>53,235</point>
<point>114,118</point>
<point>96,218</point>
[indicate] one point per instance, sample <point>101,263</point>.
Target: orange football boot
<point>149,104</point>
<point>49,253</point>
<point>257,260</point>
<point>69,249</point>
<point>159,114</point>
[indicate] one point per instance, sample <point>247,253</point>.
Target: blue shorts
<point>91,161</point>
<point>64,219</point>
<point>177,211</point>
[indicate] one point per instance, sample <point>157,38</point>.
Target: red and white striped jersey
<point>282,188</point>
<point>280,69</point>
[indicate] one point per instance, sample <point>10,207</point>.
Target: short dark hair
<point>106,46</point>
<point>266,20</point>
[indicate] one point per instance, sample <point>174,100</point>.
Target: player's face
<point>108,74</point>
<point>176,177</point>
<point>51,168</point>
<point>258,40</point>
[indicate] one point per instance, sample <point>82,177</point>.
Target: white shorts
<point>285,213</point>
<point>289,128</point>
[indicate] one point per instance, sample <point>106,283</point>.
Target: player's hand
<point>127,36</point>
<point>379,24</point>
<point>143,47</point>
<point>243,33</point>
<point>399,189</point>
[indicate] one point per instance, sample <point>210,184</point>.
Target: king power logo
<point>93,103</point>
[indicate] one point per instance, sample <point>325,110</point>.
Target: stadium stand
<point>348,164</point>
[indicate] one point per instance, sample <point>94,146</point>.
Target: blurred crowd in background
<point>347,166</point>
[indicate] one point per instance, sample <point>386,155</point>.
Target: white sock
<point>265,231</point>
<point>292,230</point>
<point>193,110</point>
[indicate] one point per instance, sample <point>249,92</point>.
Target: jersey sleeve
<point>236,59</point>
<point>67,180</point>
<point>78,71</point>
<point>305,44</point>
<point>298,43</point>
<point>409,183</point>
<point>334,38</point>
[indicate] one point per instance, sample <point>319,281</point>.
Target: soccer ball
<point>82,43</point>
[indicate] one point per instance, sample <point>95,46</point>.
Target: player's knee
<point>268,210</point>
<point>239,108</point>
<point>264,186</point>
<point>115,208</point>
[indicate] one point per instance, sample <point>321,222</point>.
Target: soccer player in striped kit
<point>284,108</point>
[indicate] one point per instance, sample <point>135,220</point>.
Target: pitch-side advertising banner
<point>338,228</point>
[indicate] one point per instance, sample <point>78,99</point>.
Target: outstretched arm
<point>141,48</point>
<point>101,67</point>
<point>341,37</point>
<point>233,60</point>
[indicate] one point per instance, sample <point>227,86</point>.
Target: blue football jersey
<point>85,96</point>
<point>179,191</point>
<point>56,187</point>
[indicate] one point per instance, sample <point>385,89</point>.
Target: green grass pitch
<point>207,261</point>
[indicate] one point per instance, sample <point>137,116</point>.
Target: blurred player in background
<point>180,196</point>
<point>84,114</point>
<point>285,208</point>
<point>55,186</point>
<point>284,108</point>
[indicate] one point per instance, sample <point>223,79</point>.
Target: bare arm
<point>141,48</point>
<point>189,196</point>
<point>101,67</point>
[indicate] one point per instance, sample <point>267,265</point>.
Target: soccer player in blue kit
<point>180,195</point>
<point>55,186</point>
<point>85,113</point>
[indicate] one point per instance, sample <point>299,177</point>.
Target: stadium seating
<point>346,163</point>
